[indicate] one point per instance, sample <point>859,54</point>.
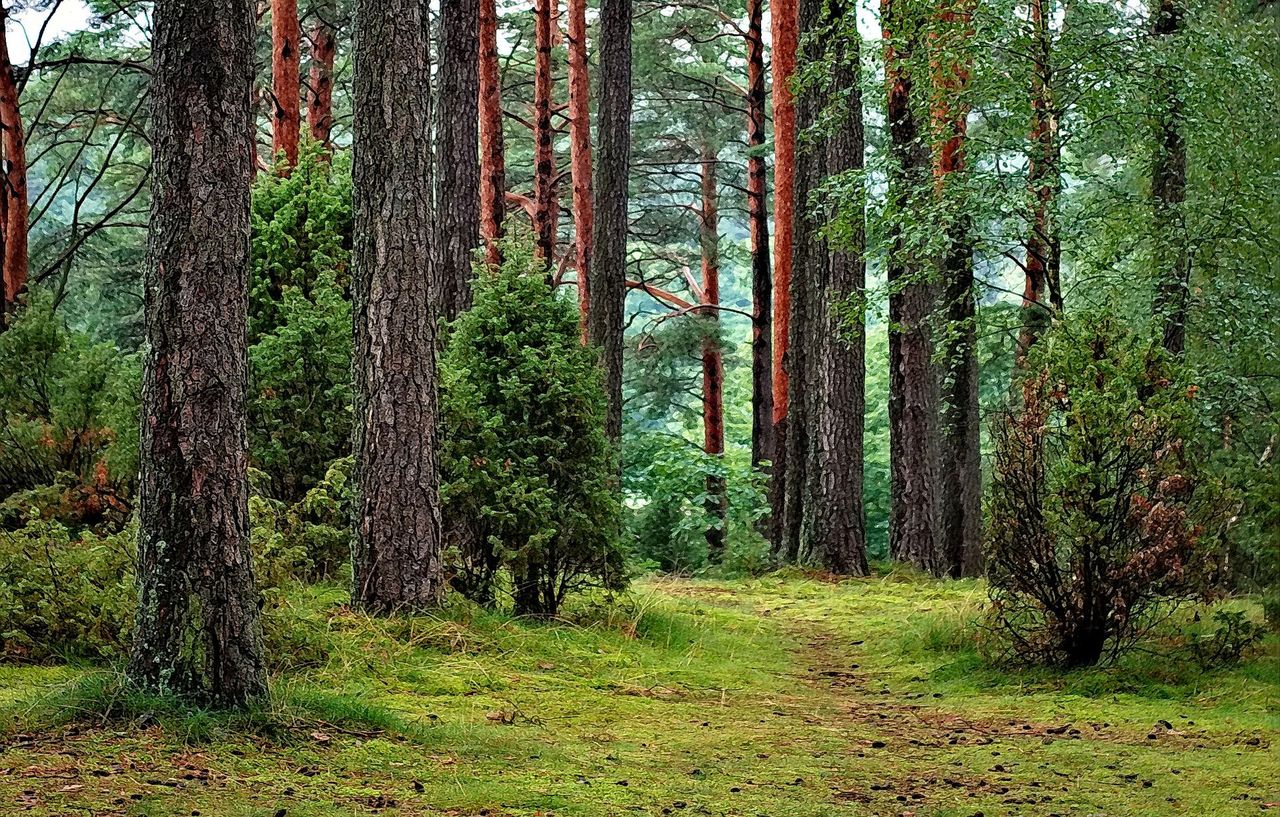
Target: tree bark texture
<point>14,139</point>
<point>198,632</point>
<point>397,551</point>
<point>580,154</point>
<point>758,227</point>
<point>544,157</point>
<point>324,52</point>
<point>286,79</point>
<point>612,165</point>
<point>712,358</point>
<point>457,214</point>
<point>913,379</point>
<point>1169,191</point>
<point>493,168</point>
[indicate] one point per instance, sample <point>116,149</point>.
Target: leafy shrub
<point>308,541</point>
<point>1233,638</point>
<point>527,470</point>
<point>1096,508</point>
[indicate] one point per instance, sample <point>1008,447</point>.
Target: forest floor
<point>783,696</point>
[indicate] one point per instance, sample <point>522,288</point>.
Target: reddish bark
<point>580,153</point>
<point>712,358</point>
<point>324,50</point>
<point>15,192</point>
<point>493,169</point>
<point>544,161</point>
<point>286,37</point>
<point>758,226</point>
<point>784,21</point>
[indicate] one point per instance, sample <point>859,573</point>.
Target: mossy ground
<point>780,696</point>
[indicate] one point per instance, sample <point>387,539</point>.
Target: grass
<point>786,695</point>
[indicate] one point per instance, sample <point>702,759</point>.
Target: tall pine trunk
<point>762,449</point>
<point>712,359</point>
<point>961,501</point>
<point>1042,292</point>
<point>14,204</point>
<point>493,168</point>
<point>580,154</point>
<point>397,550</point>
<point>324,51</point>
<point>609,241</point>
<point>833,530</point>
<point>544,157</point>
<point>784,21</point>
<point>1169,190</point>
<point>457,214</point>
<point>913,379</point>
<point>286,40</point>
<point>198,631</point>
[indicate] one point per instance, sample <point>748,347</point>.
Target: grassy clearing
<point>779,696</point>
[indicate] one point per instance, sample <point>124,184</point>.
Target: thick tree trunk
<point>324,51</point>
<point>397,551</point>
<point>14,227</point>
<point>1169,191</point>
<point>712,359</point>
<point>198,631</point>
<point>609,241</point>
<point>762,449</point>
<point>783,21</point>
<point>457,215</point>
<point>913,380</point>
<point>961,501</point>
<point>833,529</point>
<point>1042,292</point>
<point>286,42</point>
<point>493,168</point>
<point>580,154</point>
<point>544,157</point>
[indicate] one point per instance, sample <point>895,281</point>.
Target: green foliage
<point>527,471</point>
<point>1235,636</point>
<point>308,541</point>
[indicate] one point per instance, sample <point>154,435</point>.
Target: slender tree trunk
<point>1042,293</point>
<point>457,216</point>
<point>580,153</point>
<point>397,551</point>
<point>15,261</point>
<point>544,159</point>
<point>198,631</point>
<point>712,359</point>
<point>324,51</point>
<point>784,21</point>
<point>609,241</point>
<point>1169,191</point>
<point>286,40</point>
<point>833,532</point>
<point>961,502</point>
<point>913,380</point>
<point>758,225</point>
<point>493,169</point>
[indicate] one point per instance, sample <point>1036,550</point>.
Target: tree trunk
<point>14,228</point>
<point>784,21</point>
<point>544,158</point>
<point>762,449</point>
<point>1169,191</point>
<point>286,40</point>
<point>580,153</point>
<point>493,169</point>
<point>198,631</point>
<point>712,359</point>
<point>913,380</point>
<point>397,550</point>
<point>324,51</point>
<point>833,529</point>
<point>609,238</point>
<point>457,215</point>
<point>961,501</point>
<point>1042,293</point>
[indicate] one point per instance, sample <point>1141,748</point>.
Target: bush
<point>1096,509</point>
<point>528,474</point>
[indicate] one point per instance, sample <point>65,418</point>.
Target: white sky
<point>24,27</point>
